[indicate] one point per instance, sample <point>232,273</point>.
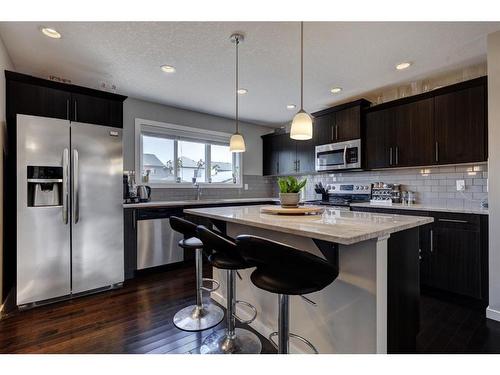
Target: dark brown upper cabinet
<point>379,138</point>
<point>445,126</point>
<point>284,156</point>
<point>338,124</point>
<point>37,100</point>
<point>94,110</point>
<point>461,126</point>
<point>40,97</point>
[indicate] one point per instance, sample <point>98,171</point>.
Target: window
<point>173,155</point>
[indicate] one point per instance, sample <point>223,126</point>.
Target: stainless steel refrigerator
<point>69,208</point>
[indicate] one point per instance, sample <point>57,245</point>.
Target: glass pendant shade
<point>302,126</point>
<point>237,143</point>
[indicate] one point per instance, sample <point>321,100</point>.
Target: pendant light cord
<point>237,84</point>
<point>301,65</point>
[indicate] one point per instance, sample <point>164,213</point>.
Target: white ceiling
<point>359,57</point>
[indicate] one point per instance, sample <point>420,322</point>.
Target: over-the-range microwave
<point>340,155</point>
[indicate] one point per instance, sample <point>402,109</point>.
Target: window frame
<point>195,134</point>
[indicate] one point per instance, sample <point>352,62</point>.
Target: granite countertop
<point>194,202</point>
<point>344,227</point>
<point>425,207</point>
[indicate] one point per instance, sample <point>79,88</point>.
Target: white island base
<point>350,315</point>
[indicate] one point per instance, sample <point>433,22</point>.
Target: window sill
<point>187,185</point>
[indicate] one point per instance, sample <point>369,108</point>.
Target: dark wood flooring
<point>134,319</point>
<point>138,319</point>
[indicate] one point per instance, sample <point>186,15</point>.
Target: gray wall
<point>134,108</point>
<point>5,64</point>
<point>493,311</point>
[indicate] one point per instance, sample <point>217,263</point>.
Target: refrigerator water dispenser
<point>44,186</point>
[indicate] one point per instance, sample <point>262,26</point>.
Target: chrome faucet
<point>198,190</point>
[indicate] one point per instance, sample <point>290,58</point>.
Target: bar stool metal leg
<point>198,317</point>
<point>283,324</point>
<point>232,340</point>
<point>284,333</point>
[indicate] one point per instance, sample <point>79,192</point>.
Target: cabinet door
<point>347,124</point>
<point>305,156</point>
<point>287,155</point>
<point>379,138</point>
<point>323,131</point>
<point>271,149</point>
<point>38,100</point>
<point>460,121</point>
<point>130,242</point>
<point>95,110</point>
<point>414,132</point>
<point>456,259</point>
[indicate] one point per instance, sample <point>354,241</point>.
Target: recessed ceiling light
<point>242,91</point>
<point>291,106</point>
<point>403,65</point>
<point>51,33</point>
<point>336,90</point>
<point>167,68</point>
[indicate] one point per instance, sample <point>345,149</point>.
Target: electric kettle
<point>143,193</point>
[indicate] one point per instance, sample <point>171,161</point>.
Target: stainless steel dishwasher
<point>157,243</point>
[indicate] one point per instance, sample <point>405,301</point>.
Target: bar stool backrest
<point>216,244</point>
<point>278,259</point>
<point>187,228</point>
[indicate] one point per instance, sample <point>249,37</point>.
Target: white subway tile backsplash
<point>438,186</point>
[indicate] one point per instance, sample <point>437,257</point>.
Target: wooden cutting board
<point>301,210</point>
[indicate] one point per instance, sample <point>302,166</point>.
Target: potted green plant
<point>290,189</point>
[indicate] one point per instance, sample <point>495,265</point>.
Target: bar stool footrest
<point>213,281</point>
<point>249,305</point>
<point>293,336</point>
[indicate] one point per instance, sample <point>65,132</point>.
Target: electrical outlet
<point>246,186</point>
<point>460,185</point>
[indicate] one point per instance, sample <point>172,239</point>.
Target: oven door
<point>335,156</point>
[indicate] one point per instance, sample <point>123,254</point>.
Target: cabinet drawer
<point>457,221</point>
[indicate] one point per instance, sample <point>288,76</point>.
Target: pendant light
<point>302,124</point>
<point>237,143</point>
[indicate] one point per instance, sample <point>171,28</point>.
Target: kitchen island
<point>372,307</point>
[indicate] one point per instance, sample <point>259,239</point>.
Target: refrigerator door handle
<point>65,186</point>
<point>76,195</point>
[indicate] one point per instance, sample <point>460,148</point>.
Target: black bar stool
<point>223,254</point>
<point>285,271</point>
<point>200,316</point>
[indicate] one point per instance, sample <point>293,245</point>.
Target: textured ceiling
<point>359,57</point>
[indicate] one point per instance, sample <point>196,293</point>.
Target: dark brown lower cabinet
<point>453,252</point>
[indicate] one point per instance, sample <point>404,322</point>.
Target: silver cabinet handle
<point>331,128</point>
<point>76,193</point>
<point>134,219</point>
<point>390,155</point>
<point>67,109</point>
<point>345,155</point>
<point>454,221</point>
<point>336,132</point>
<point>397,155</point>
<point>432,240</point>
<point>65,186</point>
<point>298,169</point>
<point>437,151</point>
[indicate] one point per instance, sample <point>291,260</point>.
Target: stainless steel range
<point>340,196</point>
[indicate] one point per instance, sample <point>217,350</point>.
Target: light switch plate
<point>460,185</point>
<point>246,186</point>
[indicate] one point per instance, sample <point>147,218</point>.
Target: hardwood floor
<point>134,319</point>
<point>138,319</point>
<point>448,327</point>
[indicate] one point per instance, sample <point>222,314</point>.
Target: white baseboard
<point>493,314</point>
<point>257,324</point>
